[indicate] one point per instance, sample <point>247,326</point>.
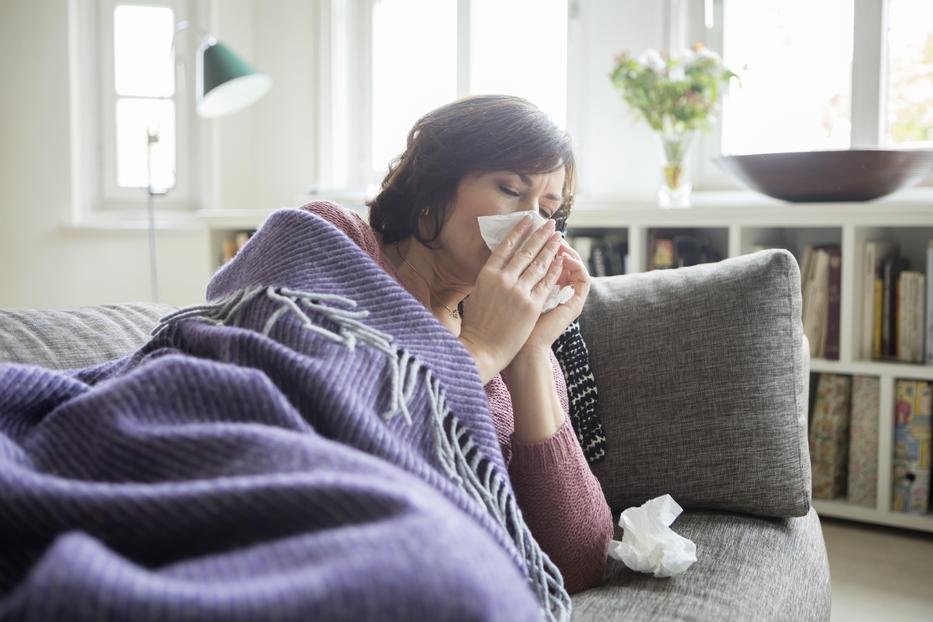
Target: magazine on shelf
<point>863,441</point>
<point>829,436</point>
<point>911,460</point>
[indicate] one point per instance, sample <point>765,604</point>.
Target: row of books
<point>607,254</point>
<point>897,307</point>
<point>676,249</point>
<point>843,440</point>
<point>604,255</point>
<point>820,282</point>
<point>232,243</point>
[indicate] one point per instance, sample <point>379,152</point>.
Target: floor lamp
<point>225,83</point>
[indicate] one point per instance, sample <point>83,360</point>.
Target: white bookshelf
<point>735,222</point>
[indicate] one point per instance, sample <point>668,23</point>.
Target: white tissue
<point>495,228</point>
<point>648,543</point>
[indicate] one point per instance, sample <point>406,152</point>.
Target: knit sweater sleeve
<point>560,498</point>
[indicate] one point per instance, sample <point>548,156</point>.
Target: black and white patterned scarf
<point>573,356</point>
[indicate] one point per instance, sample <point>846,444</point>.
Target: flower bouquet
<point>677,96</point>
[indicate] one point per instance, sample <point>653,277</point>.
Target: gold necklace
<point>454,313</point>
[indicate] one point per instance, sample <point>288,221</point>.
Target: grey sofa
<point>703,381</point>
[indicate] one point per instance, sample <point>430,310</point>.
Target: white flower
<point>687,55</point>
<point>652,60</point>
<point>677,73</point>
<point>708,53</point>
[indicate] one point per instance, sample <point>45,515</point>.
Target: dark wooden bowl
<point>835,175</point>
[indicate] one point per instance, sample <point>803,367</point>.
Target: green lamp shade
<point>228,83</point>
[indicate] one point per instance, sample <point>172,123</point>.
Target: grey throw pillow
<point>703,382</point>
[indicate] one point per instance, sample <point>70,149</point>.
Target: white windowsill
<point>917,200</point>
<point>921,196</point>
<point>134,221</point>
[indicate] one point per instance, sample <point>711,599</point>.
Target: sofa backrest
<point>703,379</point>
<point>68,339</point>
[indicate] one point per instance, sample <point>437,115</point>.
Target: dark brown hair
<point>474,134</point>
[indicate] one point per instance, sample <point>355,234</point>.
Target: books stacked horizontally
<point>604,255</point>
<point>670,249</point>
<point>897,309</point>
<point>820,278</point>
<point>233,242</point>
<point>843,440</point>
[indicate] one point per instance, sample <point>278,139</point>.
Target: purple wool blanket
<point>309,444</point>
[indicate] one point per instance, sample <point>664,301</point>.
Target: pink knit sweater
<point>560,498</point>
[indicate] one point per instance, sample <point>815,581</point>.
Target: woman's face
<point>488,194</point>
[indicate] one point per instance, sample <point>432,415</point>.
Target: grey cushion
<point>703,381</point>
<point>68,339</point>
<point>747,568</point>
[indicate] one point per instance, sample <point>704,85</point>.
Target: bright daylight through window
<point>795,59</point>
<point>144,87</point>
<point>910,73</point>
<point>415,68</point>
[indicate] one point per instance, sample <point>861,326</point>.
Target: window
<point>796,70</point>
<point>820,75</point>
<point>414,68</point>
<point>142,90</point>
<point>909,87</point>
<point>385,63</point>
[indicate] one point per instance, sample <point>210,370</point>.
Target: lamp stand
<point>152,137</point>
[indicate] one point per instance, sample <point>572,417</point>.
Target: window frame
<point>109,196</point>
<point>345,106</point>
<point>868,88</point>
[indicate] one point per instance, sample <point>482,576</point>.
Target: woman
<point>479,156</point>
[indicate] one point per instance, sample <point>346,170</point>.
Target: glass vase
<point>675,188</point>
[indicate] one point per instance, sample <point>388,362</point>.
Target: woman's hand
<point>552,324</point>
<point>511,289</point>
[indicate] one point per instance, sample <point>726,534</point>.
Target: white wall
<point>618,156</point>
<point>260,158</point>
<point>43,263</point>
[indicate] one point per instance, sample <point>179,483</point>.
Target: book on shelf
<point>831,319</point>
<point>829,436</point>
<point>911,472</point>
<point>820,288</point>
<point>862,488</point>
<point>928,332</point>
<point>233,242</point>
<point>893,266</point>
<point>910,316</point>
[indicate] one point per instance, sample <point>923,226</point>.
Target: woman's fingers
<point>542,263</point>
<point>500,257</point>
<point>544,286</point>
<point>530,250</point>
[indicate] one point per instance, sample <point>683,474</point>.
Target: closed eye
<point>512,193</point>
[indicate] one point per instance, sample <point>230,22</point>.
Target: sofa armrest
<point>68,339</point>
<point>703,385</point>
